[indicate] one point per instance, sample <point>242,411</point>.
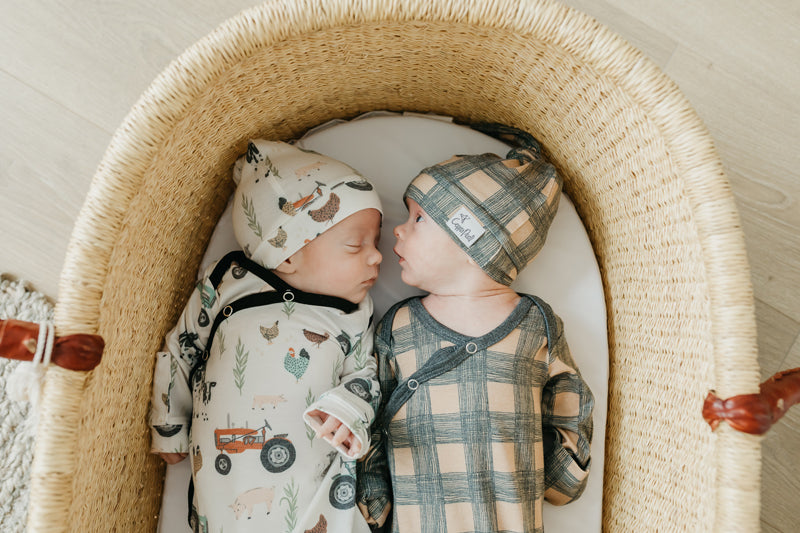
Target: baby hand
<point>334,432</point>
<point>173,457</point>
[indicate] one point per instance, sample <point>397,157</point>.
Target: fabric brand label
<point>465,226</point>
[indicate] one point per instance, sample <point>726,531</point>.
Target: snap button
<point>288,296</point>
<point>471,347</point>
<point>413,384</point>
<point>227,311</point>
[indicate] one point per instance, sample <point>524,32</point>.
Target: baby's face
<point>344,260</point>
<point>429,258</point>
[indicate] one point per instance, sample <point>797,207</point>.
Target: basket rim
<point>167,99</point>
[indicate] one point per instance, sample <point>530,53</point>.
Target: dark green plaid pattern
<point>480,447</point>
<point>514,199</point>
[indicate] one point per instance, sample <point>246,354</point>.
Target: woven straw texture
<point>637,161</point>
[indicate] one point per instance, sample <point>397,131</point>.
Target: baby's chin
<point>356,296</point>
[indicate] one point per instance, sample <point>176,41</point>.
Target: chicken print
<point>296,364</point>
<point>321,527</point>
<point>292,208</point>
<point>269,333</point>
<point>327,211</point>
<point>279,240</point>
<point>316,338</point>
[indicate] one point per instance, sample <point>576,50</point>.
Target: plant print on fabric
<point>241,366</point>
<point>310,433</point>
<point>288,309</point>
<point>252,219</point>
<point>290,492</point>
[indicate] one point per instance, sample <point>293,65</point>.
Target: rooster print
<point>327,211</point>
<point>296,364</point>
<point>316,338</point>
<point>269,333</point>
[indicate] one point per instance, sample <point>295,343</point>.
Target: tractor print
<point>343,489</point>
<point>277,454</point>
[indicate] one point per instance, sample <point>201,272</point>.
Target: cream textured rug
<point>17,428</point>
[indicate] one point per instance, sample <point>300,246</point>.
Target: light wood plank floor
<point>71,69</point>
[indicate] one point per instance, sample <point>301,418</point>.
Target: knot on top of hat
<point>524,145</point>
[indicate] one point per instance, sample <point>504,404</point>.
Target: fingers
<point>321,415</point>
<point>341,435</point>
<point>172,457</point>
<point>336,433</point>
<point>354,445</point>
<point>329,426</point>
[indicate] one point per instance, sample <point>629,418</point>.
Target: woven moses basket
<point>637,161</point>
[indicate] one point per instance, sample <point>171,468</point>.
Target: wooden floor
<point>70,70</point>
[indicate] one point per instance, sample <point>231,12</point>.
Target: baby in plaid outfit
<point>274,350</point>
<point>484,412</point>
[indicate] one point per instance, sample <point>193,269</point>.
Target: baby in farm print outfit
<point>484,412</point>
<point>273,350</point>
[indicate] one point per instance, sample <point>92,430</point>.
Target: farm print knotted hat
<point>286,196</point>
<point>498,210</point>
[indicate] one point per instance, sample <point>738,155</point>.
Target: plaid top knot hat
<point>285,197</point>
<point>498,210</point>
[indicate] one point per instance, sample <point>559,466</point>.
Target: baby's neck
<point>472,314</point>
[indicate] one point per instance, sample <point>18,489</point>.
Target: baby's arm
<point>171,404</point>
<point>567,405</point>
<point>342,415</point>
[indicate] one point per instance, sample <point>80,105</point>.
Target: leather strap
<point>755,413</point>
<point>74,352</point>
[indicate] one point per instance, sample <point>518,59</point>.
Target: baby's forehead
<point>412,204</point>
<point>361,221</point>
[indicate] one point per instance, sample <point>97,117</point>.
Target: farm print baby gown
<point>275,353</point>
